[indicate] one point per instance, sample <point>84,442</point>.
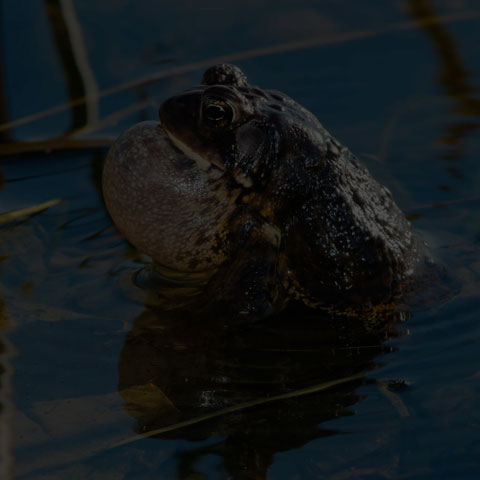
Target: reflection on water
<point>174,368</point>
<point>84,94</point>
<point>4,135</point>
<point>456,80</point>
<point>71,50</point>
<point>6,458</point>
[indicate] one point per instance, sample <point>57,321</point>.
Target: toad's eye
<point>217,112</point>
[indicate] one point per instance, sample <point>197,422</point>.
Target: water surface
<point>88,363</point>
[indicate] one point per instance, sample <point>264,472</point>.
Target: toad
<point>242,192</point>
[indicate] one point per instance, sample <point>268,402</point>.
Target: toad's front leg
<point>248,285</point>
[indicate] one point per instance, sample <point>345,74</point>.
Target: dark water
<point>84,362</point>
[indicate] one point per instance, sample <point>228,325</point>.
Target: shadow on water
<point>180,371</point>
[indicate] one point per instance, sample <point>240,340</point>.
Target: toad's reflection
<point>174,369</point>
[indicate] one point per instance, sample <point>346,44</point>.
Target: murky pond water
<point>95,382</point>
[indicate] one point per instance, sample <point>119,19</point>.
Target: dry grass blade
<point>247,54</point>
<point>242,406</point>
<point>60,143</point>
<point>444,203</point>
<point>393,398</point>
<point>24,212</point>
<point>112,119</point>
<point>69,142</point>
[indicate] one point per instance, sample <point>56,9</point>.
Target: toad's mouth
<point>204,163</point>
<point>211,164</point>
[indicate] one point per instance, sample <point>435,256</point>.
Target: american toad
<point>244,189</point>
